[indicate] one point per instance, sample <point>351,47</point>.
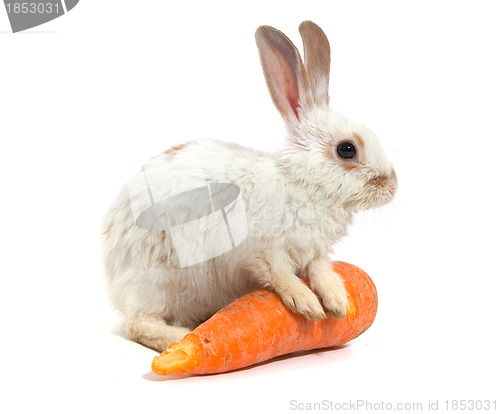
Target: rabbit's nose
<point>392,182</point>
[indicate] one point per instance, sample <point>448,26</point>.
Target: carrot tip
<point>170,363</point>
<point>177,359</point>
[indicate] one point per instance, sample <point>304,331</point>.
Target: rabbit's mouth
<point>381,189</point>
<point>377,191</point>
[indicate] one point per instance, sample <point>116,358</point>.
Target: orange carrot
<point>258,327</point>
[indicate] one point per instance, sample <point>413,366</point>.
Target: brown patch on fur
<point>327,149</point>
<point>358,141</point>
<point>170,153</point>
<point>378,182</point>
<point>350,165</point>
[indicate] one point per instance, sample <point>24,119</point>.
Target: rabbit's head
<point>342,158</point>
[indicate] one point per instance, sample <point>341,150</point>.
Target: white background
<point>87,99</point>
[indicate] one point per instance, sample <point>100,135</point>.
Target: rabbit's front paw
<point>300,299</point>
<point>335,301</point>
<point>329,287</point>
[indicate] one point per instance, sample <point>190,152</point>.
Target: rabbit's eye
<point>346,149</point>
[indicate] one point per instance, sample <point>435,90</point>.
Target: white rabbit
<point>297,204</point>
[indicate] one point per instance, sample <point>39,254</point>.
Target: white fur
<point>299,204</point>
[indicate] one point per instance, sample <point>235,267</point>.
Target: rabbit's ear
<point>317,61</point>
<point>283,70</point>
